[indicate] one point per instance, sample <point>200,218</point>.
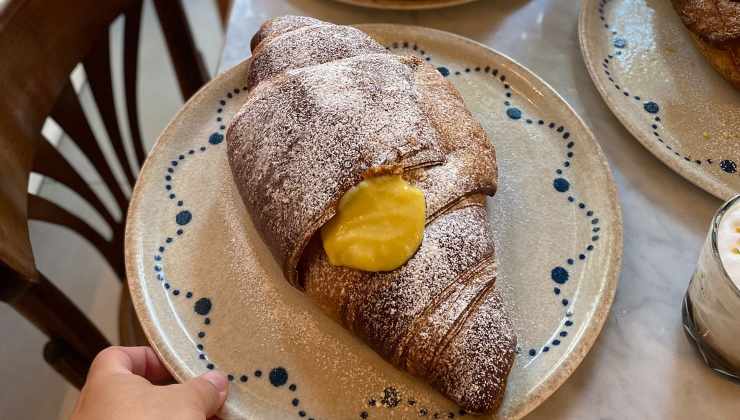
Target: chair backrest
<point>41,42</point>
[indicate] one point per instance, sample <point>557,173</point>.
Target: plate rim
<point>134,283</point>
<point>544,389</point>
<point>714,187</point>
<point>427,5</point>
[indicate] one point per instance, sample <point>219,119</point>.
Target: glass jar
<point>711,306</point>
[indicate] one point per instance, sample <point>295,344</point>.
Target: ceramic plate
<point>405,4</point>
<point>210,295</point>
<point>648,70</point>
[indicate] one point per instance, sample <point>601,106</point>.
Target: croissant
<point>714,26</point>
<point>327,105</point>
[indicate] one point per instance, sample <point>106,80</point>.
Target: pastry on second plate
<point>715,26</point>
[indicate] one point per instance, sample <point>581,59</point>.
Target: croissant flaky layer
<point>326,103</point>
<point>439,316</point>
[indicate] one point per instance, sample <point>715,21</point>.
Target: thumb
<point>204,394</point>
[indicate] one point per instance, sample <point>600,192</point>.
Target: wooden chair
<point>224,10</point>
<point>40,43</point>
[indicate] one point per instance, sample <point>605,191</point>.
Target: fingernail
<point>217,379</point>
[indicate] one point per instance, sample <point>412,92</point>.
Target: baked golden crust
<point>711,20</point>
<point>326,105</point>
<point>715,28</point>
<point>275,55</point>
<point>285,24</point>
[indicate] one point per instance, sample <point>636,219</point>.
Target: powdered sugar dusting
<point>327,104</point>
<point>308,46</point>
<point>717,21</point>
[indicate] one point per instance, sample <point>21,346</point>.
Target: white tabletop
<point>641,367</point>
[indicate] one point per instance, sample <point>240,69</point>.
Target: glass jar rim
<point>716,220</point>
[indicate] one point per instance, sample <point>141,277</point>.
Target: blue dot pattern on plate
<point>391,398</point>
<point>184,217</point>
<point>514,113</point>
<point>560,276</point>
<point>561,184</point>
<point>203,306</point>
<point>650,107</point>
<point>216,138</point>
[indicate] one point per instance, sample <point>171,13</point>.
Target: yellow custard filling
<point>379,225</point>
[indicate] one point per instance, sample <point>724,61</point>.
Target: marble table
<point>641,367</point>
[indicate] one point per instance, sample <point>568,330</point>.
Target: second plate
<point>648,70</point>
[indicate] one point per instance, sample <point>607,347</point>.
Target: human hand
<point>123,384</point>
